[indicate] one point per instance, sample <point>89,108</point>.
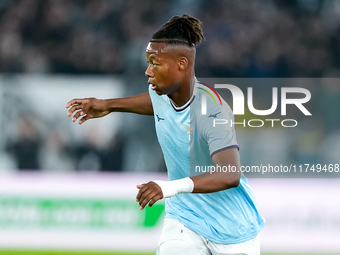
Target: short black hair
<point>185,30</point>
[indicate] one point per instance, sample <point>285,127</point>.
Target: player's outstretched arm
<point>90,108</point>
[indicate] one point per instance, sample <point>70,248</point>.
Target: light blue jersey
<point>188,140</point>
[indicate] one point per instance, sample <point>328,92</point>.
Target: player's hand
<point>87,108</point>
<point>148,193</point>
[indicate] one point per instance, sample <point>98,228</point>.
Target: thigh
<point>176,239</point>
<point>251,247</point>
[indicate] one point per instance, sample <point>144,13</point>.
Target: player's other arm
<point>89,108</point>
<point>226,175</point>
<point>205,183</point>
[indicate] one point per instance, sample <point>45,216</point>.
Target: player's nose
<point>148,72</point>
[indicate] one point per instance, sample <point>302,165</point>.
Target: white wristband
<point>172,188</point>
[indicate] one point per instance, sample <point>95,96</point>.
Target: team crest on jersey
<point>189,131</point>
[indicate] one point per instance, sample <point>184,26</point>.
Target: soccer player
<point>210,207</point>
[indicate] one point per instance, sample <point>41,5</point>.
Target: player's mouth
<point>153,87</point>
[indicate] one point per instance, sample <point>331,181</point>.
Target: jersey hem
<point>236,241</point>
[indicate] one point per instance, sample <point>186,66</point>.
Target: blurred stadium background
<point>70,187</point>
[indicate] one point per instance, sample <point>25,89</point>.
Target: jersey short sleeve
<point>216,128</point>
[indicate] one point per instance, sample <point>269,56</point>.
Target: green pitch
<point>19,252</point>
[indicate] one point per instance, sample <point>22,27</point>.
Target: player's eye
<point>152,63</point>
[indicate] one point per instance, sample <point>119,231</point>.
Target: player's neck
<point>183,94</point>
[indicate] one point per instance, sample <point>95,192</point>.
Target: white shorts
<point>176,239</point>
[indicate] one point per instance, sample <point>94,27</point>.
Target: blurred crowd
<point>244,38</point>
<point>34,150</point>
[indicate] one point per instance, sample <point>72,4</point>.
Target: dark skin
<point>91,108</point>
<point>171,73</point>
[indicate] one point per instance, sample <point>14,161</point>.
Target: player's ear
<point>182,63</point>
